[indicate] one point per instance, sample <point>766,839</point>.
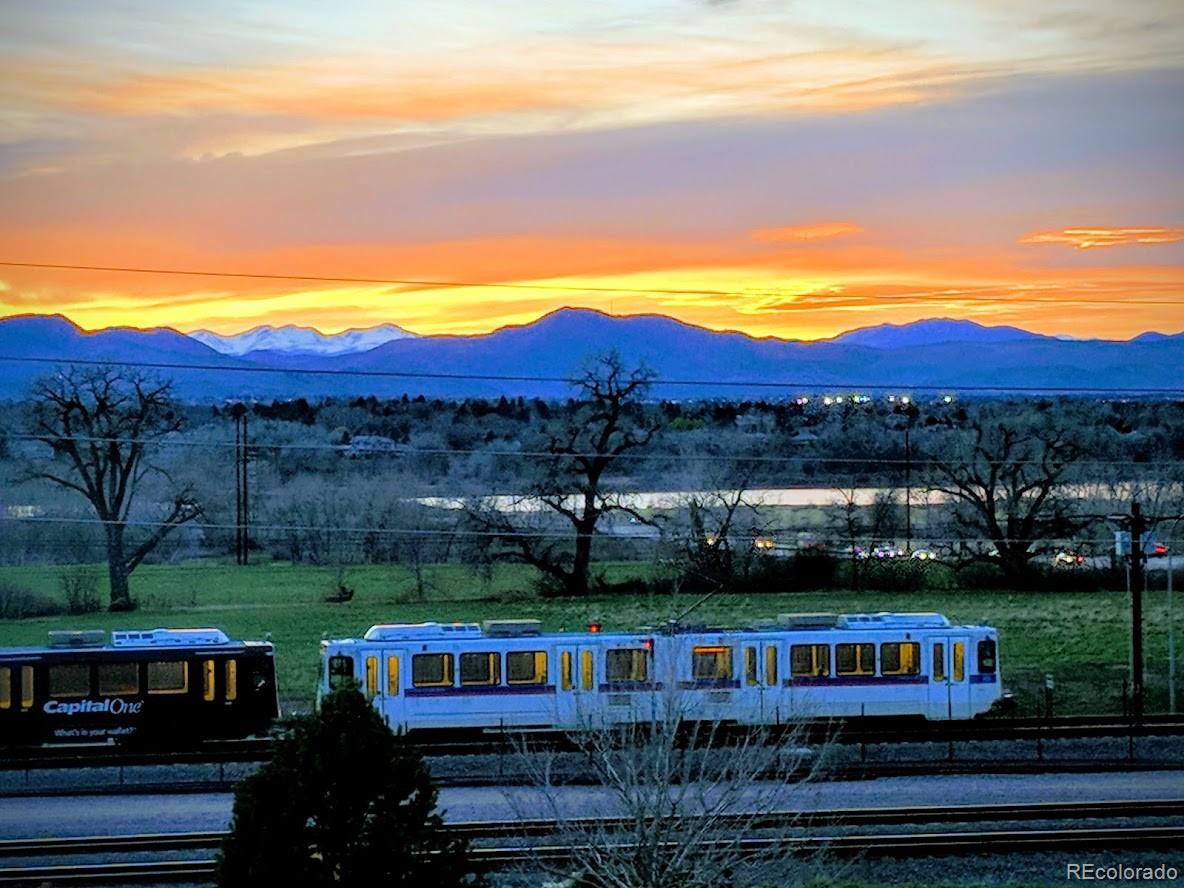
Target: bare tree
<point>579,449</point>
<point>724,526</point>
<point>1005,474</point>
<point>677,796</point>
<point>99,422</point>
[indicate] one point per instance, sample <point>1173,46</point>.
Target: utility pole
<point>908,490</point>
<point>239,412</point>
<point>246,520</point>
<point>1138,528</point>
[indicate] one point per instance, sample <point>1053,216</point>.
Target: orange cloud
<point>815,231</point>
<point>1091,238</point>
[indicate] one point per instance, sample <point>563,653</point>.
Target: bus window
<point>431,670</point>
<point>119,678</point>
<point>341,671</point>
<point>714,662</point>
<point>371,676</point>
<point>168,677</point>
<point>750,666</point>
<point>480,669</point>
<point>771,666</point>
<point>526,667</point>
<point>207,680</point>
<point>986,655</point>
<point>5,687</point>
<point>69,680</point>
<point>855,659</point>
<point>26,687</point>
<point>392,676</point>
<point>565,670</point>
<point>959,661</point>
<point>939,661</point>
<point>900,658</point>
<point>587,672</point>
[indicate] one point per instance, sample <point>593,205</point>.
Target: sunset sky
<point>783,168</point>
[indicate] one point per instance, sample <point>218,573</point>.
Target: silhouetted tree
<point>342,802</point>
<point>1003,472</point>
<point>579,448</point>
<point>100,422</point>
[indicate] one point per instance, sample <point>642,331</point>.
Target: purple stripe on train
<point>478,691</point>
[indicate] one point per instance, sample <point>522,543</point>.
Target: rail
<point>946,843</point>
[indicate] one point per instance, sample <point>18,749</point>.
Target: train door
<point>760,682</point>
<point>576,690</point>
<point>383,684</point>
<point>949,680</point>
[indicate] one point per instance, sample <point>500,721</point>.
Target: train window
<point>169,677</point>
<point>809,659</point>
<point>392,676</point>
<point>771,666</point>
<point>372,676</point>
<point>565,670</point>
<point>900,658</point>
<point>119,678</point>
<point>207,680</point>
<point>855,659</point>
<point>69,680</point>
<point>986,655</point>
<point>750,666</point>
<point>341,671</point>
<point>232,679</point>
<point>711,662</point>
<point>959,661</point>
<point>626,664</point>
<point>479,669</point>
<point>939,661</point>
<point>5,687</point>
<point>26,687</point>
<point>587,671</point>
<point>526,667</point>
<point>431,670</point>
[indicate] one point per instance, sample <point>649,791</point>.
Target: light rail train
<point>509,674</point>
<point>177,687</point>
<point>159,688</point>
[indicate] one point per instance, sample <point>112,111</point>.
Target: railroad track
<point>946,843</point>
<point>849,733</point>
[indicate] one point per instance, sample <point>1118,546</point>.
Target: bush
<point>981,575</point>
<point>80,588</point>
<point>17,602</point>
<point>894,574</point>
<point>343,801</point>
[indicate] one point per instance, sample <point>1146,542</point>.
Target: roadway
<point>56,816</point>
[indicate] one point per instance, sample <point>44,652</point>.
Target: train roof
<point>503,629</point>
<point>134,640</point>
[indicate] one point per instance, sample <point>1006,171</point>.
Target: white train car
<point>509,674</point>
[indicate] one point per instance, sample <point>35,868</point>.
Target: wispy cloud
<point>808,232</point>
<point>1094,238</point>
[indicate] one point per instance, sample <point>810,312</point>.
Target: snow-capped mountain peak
<point>293,340</point>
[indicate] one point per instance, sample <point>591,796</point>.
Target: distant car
<point>886,552</point>
<point>924,555</point>
<point>1158,549</point>
<point>1068,559</point>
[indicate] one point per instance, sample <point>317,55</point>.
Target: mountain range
<point>533,359</point>
<point>295,340</point>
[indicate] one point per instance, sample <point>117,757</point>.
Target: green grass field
<point>1081,639</point>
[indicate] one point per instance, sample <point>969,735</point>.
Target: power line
<point>579,288</point>
<point>657,383</point>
